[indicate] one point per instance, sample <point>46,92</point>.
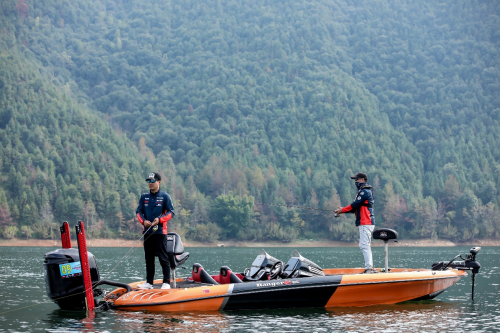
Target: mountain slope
<point>284,100</point>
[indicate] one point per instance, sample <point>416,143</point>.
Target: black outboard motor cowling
<point>64,280</point>
<point>298,266</point>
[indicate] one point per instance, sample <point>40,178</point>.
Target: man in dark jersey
<point>362,207</point>
<point>154,211</point>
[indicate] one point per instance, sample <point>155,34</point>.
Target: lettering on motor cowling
<point>277,283</point>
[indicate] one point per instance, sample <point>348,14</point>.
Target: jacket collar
<point>156,193</point>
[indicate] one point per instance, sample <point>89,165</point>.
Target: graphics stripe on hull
<point>315,292</point>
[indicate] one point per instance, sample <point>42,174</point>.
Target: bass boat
<point>268,283</point>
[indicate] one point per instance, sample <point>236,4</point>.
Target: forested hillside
<point>244,104</point>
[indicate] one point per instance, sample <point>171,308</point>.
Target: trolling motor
<point>469,263</point>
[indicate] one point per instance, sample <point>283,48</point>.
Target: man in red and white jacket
<point>362,206</point>
<point>154,211</point>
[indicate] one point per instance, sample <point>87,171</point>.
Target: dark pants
<point>155,245</point>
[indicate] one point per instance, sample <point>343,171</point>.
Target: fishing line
<point>295,206</point>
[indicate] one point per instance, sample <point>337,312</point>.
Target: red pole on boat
<point>84,260</point>
<point>65,238</point>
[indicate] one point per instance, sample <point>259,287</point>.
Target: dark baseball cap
<point>154,175</point>
<point>360,175</point>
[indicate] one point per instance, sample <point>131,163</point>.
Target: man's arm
<point>362,197</point>
<point>168,211</point>
<point>139,211</point>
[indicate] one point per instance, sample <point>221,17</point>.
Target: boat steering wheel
<point>276,270</point>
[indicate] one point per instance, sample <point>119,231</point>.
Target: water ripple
<point>23,290</point>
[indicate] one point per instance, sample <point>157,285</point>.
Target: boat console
<point>298,266</point>
<point>264,267</point>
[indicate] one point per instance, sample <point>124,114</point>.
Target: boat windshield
<point>257,264</point>
<point>292,263</point>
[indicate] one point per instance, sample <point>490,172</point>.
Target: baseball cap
<point>360,175</point>
<point>154,175</point>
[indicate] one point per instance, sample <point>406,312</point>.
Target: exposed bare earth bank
<point>299,243</point>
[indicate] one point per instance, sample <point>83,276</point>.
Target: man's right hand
<point>147,224</point>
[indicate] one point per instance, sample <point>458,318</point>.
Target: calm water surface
<point>24,306</point>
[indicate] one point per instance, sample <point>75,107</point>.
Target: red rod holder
<point>84,260</point>
<point>65,238</point>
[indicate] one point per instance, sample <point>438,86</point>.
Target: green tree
<point>232,213</point>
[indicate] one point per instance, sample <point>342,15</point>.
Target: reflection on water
<point>22,283</point>
<point>408,317</point>
<point>197,322</point>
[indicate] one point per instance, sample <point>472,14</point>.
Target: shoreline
<point>102,242</point>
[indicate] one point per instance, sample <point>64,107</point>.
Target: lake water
<point>24,306</point>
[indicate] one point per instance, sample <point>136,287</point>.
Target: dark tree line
<point>244,104</point>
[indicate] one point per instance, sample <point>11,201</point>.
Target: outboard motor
<point>264,267</point>
<point>63,278</point>
<point>298,266</point>
<point>65,272</point>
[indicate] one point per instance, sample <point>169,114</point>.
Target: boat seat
<point>181,259</point>
<point>385,234</point>
<point>200,275</point>
<point>175,250</point>
<point>226,276</point>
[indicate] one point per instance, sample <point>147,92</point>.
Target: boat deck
<point>183,284</point>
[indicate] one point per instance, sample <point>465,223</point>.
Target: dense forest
<point>250,110</point>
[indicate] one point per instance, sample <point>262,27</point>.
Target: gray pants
<point>365,240</point>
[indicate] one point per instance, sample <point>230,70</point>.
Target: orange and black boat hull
<point>335,290</point>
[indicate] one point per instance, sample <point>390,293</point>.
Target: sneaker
<point>369,271</point>
<point>145,285</point>
<point>165,286</point>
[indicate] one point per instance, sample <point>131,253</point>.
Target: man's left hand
<point>156,221</point>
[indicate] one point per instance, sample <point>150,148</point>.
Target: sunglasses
<point>150,181</point>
